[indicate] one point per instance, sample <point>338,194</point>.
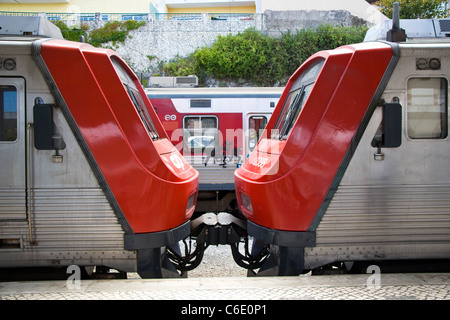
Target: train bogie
<point>88,175</point>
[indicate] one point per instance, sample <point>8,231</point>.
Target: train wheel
<point>282,261</point>
<point>154,263</point>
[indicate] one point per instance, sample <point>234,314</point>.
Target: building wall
<point>358,8</point>
<point>166,39</point>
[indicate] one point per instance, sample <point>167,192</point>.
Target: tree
<point>415,9</point>
<point>256,58</point>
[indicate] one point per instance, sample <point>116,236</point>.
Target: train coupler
<point>215,229</point>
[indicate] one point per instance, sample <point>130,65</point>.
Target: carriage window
<point>295,100</point>
<point>136,98</point>
<point>427,108</point>
<point>8,113</point>
<point>256,126</point>
<point>200,133</point>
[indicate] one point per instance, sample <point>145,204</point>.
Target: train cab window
<point>295,100</point>
<point>136,98</point>
<point>200,134</point>
<point>256,126</point>
<point>8,113</point>
<point>427,108</point>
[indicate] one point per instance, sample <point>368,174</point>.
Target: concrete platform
<point>432,286</point>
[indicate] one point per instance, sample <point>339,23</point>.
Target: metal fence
<point>85,17</point>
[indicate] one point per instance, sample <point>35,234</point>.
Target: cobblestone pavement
<point>434,286</point>
<point>218,278</point>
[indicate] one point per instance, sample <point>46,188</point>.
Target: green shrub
<point>249,55</point>
<point>424,9</point>
<point>115,31</point>
<point>258,59</point>
<point>73,34</point>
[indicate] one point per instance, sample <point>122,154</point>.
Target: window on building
<point>427,108</point>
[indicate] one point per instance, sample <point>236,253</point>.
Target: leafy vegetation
<point>115,31</point>
<point>415,9</point>
<point>250,57</point>
<point>73,34</point>
<point>255,58</point>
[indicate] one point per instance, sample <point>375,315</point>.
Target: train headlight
<point>191,203</point>
<point>246,203</point>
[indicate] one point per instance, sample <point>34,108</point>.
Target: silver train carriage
<point>86,172</point>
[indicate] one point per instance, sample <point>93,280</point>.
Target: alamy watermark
<point>74,280</point>
<point>232,147</point>
<point>374,280</point>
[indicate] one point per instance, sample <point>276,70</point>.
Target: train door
<point>255,124</point>
<point>12,149</point>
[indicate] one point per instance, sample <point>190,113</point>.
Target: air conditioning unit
<point>170,82</point>
<point>191,81</point>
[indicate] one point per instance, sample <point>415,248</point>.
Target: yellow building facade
<point>130,6</point>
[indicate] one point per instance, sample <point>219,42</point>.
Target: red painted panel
<point>289,197</point>
<point>149,179</point>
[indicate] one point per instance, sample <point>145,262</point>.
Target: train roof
<point>415,29</point>
<point>30,27</point>
<point>214,92</point>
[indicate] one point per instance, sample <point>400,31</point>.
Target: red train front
<point>309,135</point>
<point>331,182</point>
<point>128,143</point>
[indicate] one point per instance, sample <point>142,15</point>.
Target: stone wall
<point>162,40</point>
<point>165,39</point>
<point>277,22</point>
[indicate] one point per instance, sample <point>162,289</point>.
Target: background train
<point>88,175</point>
<point>215,129</point>
<point>353,165</point>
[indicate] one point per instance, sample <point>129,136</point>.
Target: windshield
<point>136,98</point>
<point>295,100</point>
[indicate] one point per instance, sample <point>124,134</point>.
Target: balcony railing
<point>86,17</point>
